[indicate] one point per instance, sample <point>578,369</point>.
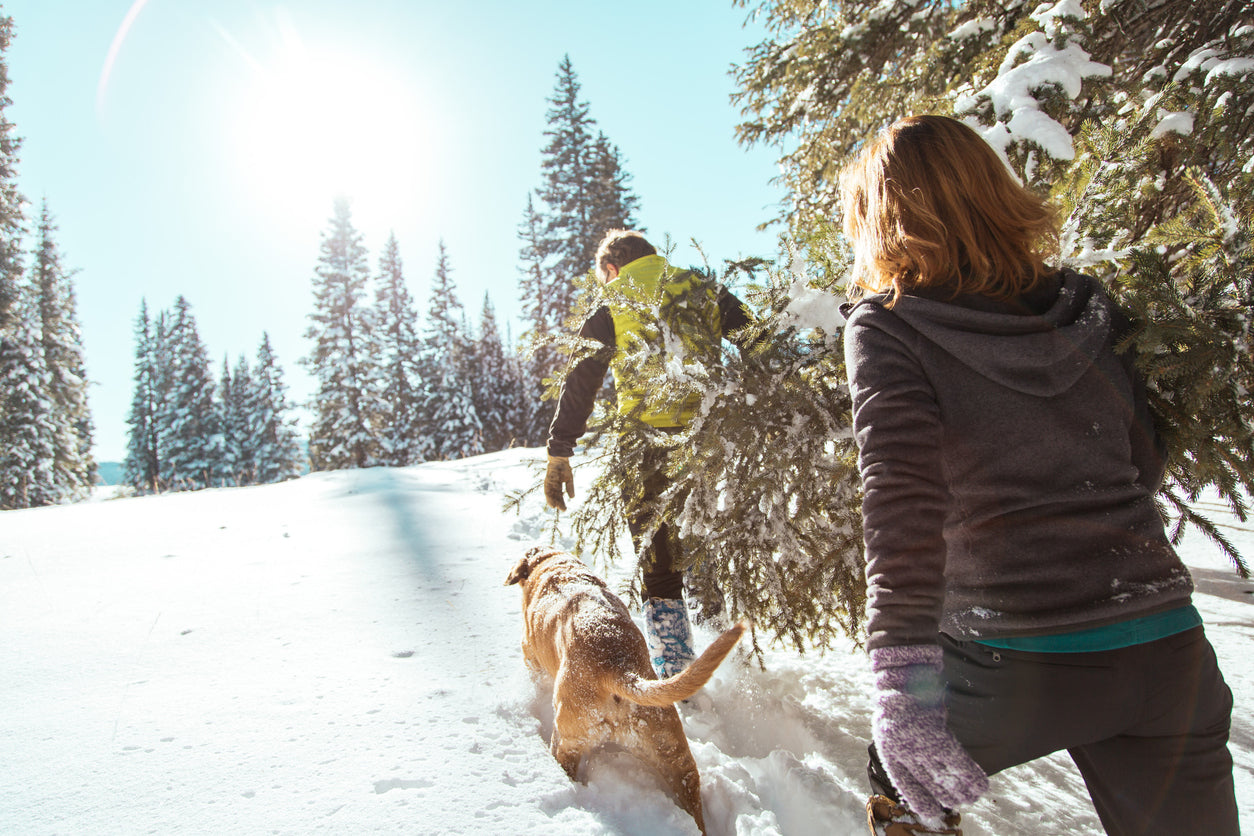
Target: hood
<point>1041,352</point>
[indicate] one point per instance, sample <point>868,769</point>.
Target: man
<point>631,267</point>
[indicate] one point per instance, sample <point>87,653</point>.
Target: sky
<point>338,654</point>
<point>194,147</point>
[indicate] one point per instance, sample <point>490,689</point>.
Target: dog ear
<point>520,572</point>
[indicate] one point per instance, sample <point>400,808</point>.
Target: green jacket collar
<point>645,270</point>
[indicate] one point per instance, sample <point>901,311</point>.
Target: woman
<point>1022,595</point>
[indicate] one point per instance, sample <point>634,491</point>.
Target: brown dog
<point>604,689</point>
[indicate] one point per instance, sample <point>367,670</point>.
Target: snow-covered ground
<point>338,654</point>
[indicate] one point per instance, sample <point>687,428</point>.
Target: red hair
<point>928,204</point>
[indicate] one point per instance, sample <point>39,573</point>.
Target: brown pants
<point>1146,725</point>
<point>661,580</point>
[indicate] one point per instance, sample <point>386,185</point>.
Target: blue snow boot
<point>668,635</point>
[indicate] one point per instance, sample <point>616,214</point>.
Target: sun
<point>319,123</point>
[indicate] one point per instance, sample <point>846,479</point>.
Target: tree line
<point>190,431</point>
<point>391,390</point>
<point>392,387</point>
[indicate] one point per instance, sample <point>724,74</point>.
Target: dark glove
<point>927,765</point>
<point>558,475</point>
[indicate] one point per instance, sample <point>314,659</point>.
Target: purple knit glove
<point>927,765</point>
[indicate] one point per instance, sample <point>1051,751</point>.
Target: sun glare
<point>320,123</point>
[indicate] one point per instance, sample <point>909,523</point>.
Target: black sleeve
<point>580,388</point>
<point>733,315</point>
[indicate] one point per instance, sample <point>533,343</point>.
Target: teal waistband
<point>1107,637</point>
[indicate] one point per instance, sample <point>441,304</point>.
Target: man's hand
<point>558,475</point>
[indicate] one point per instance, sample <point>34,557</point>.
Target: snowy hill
<point>338,655</point>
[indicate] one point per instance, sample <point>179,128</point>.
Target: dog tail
<point>681,686</point>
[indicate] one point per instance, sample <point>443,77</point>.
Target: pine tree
<point>142,467</point>
<point>27,447</point>
<point>500,396</point>
<point>12,214</point>
<point>764,484</point>
<point>235,464</point>
<point>612,203</point>
<point>399,346</point>
<point>74,470</point>
<point>28,433</point>
<point>584,191</point>
<point>542,354</point>
<point>190,433</point>
<point>345,425</point>
<point>566,169</point>
<point>1135,118</point>
<point>277,453</point>
<point>450,423</point>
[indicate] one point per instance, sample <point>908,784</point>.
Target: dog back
<point>571,618</point>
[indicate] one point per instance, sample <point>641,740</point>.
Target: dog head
<point>533,558</point>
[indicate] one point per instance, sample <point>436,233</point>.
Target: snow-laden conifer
<point>451,425</point>
<point>233,465</point>
<point>1135,117</point>
<point>500,395</point>
<point>567,174</point>
<point>398,349</point>
<point>190,433</point>
<point>28,431</point>
<point>344,433</point>
<point>74,469</point>
<point>541,355</point>
<point>276,449</point>
<point>12,203</point>
<point>142,467</point>
<point>764,489</point>
<point>584,192</point>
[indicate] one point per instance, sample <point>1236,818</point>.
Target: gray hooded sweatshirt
<point>1009,467</point>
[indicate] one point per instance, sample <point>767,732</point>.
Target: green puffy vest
<point>650,285</point>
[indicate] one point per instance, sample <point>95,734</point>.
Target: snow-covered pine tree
<point>227,411</point>
<point>584,191</point>
<point>74,469</point>
<point>236,463</point>
<point>142,468</point>
<point>1134,116</point>
<point>190,435</point>
<point>28,433</point>
<point>399,346</point>
<point>540,354</point>
<point>277,452</point>
<point>12,212</point>
<point>451,426</point>
<point>567,174</point>
<point>765,489</point>
<point>522,409</point>
<point>26,446</point>
<point>345,423</point>
<point>499,393</point>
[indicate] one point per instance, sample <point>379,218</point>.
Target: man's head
<point>619,248</point>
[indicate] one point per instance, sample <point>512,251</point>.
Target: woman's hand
<point>927,765</point>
